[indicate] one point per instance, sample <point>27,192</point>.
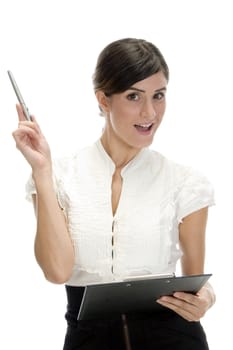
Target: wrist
<point>42,172</point>
<point>42,177</point>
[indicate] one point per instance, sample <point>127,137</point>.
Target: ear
<point>103,101</point>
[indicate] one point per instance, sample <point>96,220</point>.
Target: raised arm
<point>53,246</point>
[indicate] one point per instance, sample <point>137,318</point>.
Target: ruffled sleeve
<point>30,188</point>
<point>59,174</point>
<point>196,192</point>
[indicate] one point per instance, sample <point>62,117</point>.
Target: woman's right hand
<point>32,143</point>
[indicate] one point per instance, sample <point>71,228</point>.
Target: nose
<point>148,111</point>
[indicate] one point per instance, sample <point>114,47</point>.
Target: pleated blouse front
<point>142,237</point>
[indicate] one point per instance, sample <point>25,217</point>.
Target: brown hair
<point>126,61</point>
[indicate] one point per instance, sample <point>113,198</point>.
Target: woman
<point>117,208</point>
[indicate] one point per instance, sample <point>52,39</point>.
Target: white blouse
<point>142,237</point>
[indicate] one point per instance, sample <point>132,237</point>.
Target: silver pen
<point>19,96</point>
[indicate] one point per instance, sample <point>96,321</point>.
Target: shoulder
<point>66,165</point>
<point>169,167</point>
<point>191,189</point>
<point>179,176</point>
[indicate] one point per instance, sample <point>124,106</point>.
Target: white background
<point>51,47</point>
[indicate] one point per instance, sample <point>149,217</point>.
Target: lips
<point>143,127</point>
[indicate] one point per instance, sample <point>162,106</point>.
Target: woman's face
<point>132,117</point>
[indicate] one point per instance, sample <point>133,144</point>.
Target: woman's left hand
<point>191,307</point>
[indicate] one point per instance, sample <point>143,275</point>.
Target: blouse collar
<point>131,164</point>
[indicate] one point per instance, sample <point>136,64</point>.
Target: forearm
<point>53,246</point>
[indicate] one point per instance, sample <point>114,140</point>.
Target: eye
<point>133,96</point>
<point>159,96</point>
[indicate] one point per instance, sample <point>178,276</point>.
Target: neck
<point>120,153</point>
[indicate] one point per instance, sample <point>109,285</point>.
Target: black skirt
<point>160,330</point>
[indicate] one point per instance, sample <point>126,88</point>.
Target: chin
<point>141,145</point>
<point>145,143</point>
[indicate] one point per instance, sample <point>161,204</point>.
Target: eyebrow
<point>140,90</point>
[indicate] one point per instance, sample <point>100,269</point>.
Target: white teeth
<point>144,125</point>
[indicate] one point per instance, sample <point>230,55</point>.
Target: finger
<point>28,124</point>
<point>22,116</point>
<point>200,304</point>
<point>33,119</point>
<point>20,112</point>
<point>23,119</point>
<point>184,313</point>
<point>187,297</point>
<point>32,124</point>
<point>187,314</point>
<point>181,303</point>
<point>23,132</point>
<point>191,312</point>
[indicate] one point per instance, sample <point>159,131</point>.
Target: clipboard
<point>137,294</point>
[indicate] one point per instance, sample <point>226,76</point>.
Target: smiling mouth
<point>143,127</point>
